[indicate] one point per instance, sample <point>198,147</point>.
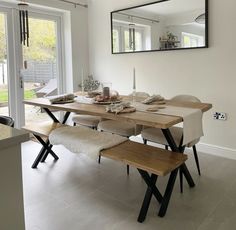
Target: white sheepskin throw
<point>81,139</point>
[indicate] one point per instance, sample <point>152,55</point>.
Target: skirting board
<point>217,150</point>
<point>204,148</point>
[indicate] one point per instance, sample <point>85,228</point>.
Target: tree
<point>42,41</point>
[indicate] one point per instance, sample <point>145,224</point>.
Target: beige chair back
<point>188,98</point>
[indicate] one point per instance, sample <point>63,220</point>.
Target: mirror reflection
<point>163,25</point>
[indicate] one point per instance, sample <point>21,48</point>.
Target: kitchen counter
<point>10,136</point>
<point>11,185</point>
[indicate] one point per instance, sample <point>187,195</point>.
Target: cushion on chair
<point>126,129</point>
<point>156,135</point>
<point>86,120</point>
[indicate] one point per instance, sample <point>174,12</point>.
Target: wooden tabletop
<point>138,117</point>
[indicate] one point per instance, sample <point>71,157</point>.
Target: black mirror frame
<point>144,51</point>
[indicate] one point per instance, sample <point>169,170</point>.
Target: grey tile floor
<point>76,193</point>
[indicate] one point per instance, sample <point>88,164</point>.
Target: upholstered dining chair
<point>86,120</point>
<point>155,135</point>
<point>7,121</point>
<point>125,129</point>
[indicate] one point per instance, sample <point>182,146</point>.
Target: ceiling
<point>172,7</point>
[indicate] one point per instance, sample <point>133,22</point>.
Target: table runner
<point>192,119</point>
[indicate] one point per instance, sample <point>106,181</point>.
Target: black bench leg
<point>38,158</point>
<point>168,192</point>
<point>127,169</point>
<point>99,159</point>
<point>151,190</point>
<point>174,148</point>
<point>181,180</point>
<point>187,175</point>
<point>44,151</point>
<point>46,155</point>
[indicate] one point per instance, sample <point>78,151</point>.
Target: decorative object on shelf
<point>89,84</point>
<point>24,22</point>
<point>169,41</point>
<point>201,19</point>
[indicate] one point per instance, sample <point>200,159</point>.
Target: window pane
<point>4,109</point>
<point>116,47</point>
<point>192,40</point>
<point>138,41</point>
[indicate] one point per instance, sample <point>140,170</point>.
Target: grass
<point>28,94</point>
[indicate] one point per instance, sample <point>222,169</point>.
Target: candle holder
<point>134,96</point>
<point>82,89</point>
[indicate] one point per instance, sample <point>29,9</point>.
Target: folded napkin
<point>84,100</point>
<point>61,98</point>
<point>117,108</point>
<point>153,98</point>
<point>81,139</point>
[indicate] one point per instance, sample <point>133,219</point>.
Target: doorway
<point>4,94</point>
<point>34,69</point>
<point>40,73</point>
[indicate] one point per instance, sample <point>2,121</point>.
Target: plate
<point>107,102</point>
<point>64,102</point>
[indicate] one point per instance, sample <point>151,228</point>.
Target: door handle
<point>25,64</point>
<point>21,82</point>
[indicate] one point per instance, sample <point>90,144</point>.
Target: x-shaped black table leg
<point>175,148</point>
<point>46,146</point>
<point>153,190</point>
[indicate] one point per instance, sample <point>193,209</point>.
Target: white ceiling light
<point>201,19</point>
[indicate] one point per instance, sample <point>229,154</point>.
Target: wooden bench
<point>147,159</point>
<point>159,162</point>
<point>40,131</point>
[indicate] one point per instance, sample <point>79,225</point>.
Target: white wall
<point>209,74</point>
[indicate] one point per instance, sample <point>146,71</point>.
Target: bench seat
<point>42,129</point>
<point>41,132</point>
<point>152,159</point>
<point>147,159</point>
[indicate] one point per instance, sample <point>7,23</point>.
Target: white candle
<point>134,80</point>
<point>82,79</point>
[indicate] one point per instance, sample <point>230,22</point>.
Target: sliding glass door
<point>40,69</point>
<point>29,72</point>
<point>4,90</point>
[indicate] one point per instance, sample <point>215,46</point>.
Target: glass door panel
<point>4,96</point>
<point>40,65</point>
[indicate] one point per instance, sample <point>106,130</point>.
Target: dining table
<point>144,118</point>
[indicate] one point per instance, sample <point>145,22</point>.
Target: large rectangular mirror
<point>159,26</point>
